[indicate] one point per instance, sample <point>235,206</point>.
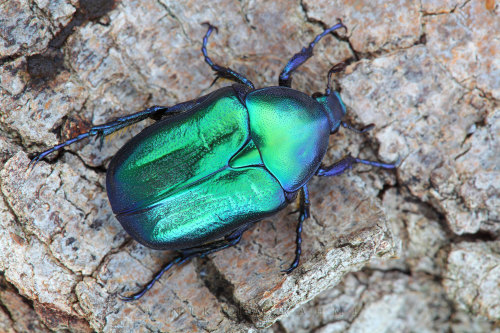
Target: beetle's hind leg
<point>301,57</point>
<point>304,214</point>
<point>221,71</point>
<point>347,162</point>
<point>154,112</point>
<point>187,254</point>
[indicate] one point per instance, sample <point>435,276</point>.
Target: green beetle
<point>195,181</point>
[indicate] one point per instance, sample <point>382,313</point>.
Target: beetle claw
<point>288,270</point>
<point>339,20</point>
<point>398,162</point>
<point>34,161</point>
<point>210,26</point>
<point>130,298</point>
<point>30,167</point>
<point>368,127</point>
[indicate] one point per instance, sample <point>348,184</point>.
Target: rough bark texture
<point>417,249</point>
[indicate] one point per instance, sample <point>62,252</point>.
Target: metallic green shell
<point>206,210</point>
<point>291,131</point>
<point>171,187</point>
<point>248,155</point>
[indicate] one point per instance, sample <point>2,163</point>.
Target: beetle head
<point>334,107</point>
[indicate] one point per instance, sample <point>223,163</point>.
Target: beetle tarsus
<point>177,260</point>
<point>367,128</point>
<point>304,215</point>
<point>220,71</point>
<point>347,162</point>
<point>40,156</point>
<point>104,130</point>
<point>210,28</point>
<point>285,78</point>
<point>187,254</point>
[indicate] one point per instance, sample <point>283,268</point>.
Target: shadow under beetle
<point>195,181</point>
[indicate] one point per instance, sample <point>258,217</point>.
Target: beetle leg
<point>304,214</point>
<point>347,162</point>
<point>301,57</point>
<point>221,71</point>
<point>187,254</point>
<point>154,112</point>
<point>359,131</point>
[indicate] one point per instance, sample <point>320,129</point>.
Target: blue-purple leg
<point>359,131</point>
<point>220,71</point>
<point>187,254</point>
<point>304,214</point>
<point>347,162</point>
<point>154,112</point>
<point>301,57</point>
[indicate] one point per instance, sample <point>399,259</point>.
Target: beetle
<point>196,180</point>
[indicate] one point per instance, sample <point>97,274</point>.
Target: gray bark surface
<point>416,249</point>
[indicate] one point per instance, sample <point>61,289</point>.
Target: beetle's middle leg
<point>187,254</point>
<point>221,71</point>
<point>304,214</point>
<point>154,112</point>
<point>301,57</point>
<point>347,162</point>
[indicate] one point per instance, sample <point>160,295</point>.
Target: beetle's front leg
<point>347,162</point>
<point>221,71</point>
<point>301,57</point>
<point>187,254</point>
<point>304,214</point>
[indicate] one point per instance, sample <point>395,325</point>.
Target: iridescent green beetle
<point>195,181</point>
